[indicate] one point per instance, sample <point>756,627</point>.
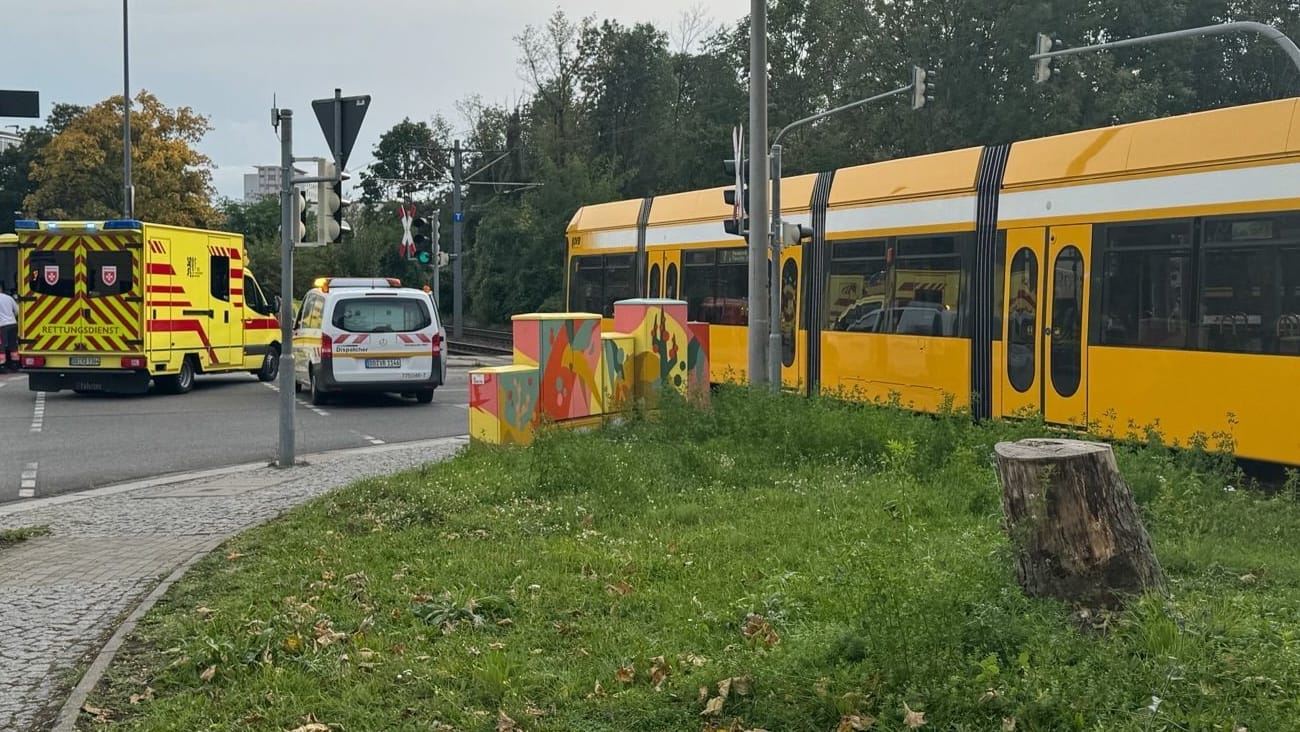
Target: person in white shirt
<point>9,330</point>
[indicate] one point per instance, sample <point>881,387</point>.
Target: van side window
<point>220,277</point>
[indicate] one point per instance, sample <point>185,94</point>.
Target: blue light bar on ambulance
<point>120,224</point>
<point>26,224</point>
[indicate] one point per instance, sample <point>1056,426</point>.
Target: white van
<point>368,335</point>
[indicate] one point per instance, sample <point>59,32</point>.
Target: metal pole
<point>288,233</point>
<point>774,340</point>
<point>128,190</point>
<point>758,175</point>
<point>457,283</point>
<point>1286,44</point>
<point>437,270</point>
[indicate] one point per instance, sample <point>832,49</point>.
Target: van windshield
<point>381,315</point>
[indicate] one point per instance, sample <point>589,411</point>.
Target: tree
<point>16,162</point>
<point>78,175</point>
<point>414,155</point>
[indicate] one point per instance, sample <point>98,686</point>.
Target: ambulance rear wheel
<point>182,382</point>
<point>424,397</point>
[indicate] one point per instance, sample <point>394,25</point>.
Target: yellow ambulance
<point>111,306</point>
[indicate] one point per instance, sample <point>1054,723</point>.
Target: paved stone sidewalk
<point>62,595</point>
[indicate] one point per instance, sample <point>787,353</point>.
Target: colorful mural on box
<point>658,328</point>
<point>503,404</point>
<point>566,347</point>
<point>697,361</point>
<point>617,387</point>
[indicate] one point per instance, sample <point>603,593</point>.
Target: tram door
<point>1045,314</point>
<point>663,276</point>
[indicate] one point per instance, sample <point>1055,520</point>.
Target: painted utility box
<point>503,404</point>
<point>566,350</point>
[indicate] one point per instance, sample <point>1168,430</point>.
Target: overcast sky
<point>226,58</point>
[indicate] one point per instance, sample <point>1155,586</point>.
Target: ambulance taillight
<point>134,362</point>
<point>437,344</point>
<point>326,346</point>
<point>32,362</point>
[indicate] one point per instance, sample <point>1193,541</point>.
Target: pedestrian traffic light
<point>922,86</point>
<point>420,231</point>
<point>737,198</point>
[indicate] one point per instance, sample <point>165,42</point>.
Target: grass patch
<point>774,563</point>
<point>10,537</point>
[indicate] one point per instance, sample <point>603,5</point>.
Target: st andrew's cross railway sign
<point>349,111</point>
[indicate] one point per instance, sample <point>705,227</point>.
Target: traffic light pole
<point>758,212</point>
<point>288,229</point>
<point>774,334</point>
<point>457,225</point>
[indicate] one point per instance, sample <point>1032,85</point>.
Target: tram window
<point>653,290</point>
<point>699,280</point>
<point>731,306</point>
<point>856,286</point>
<point>620,282</point>
<point>927,286</point>
<point>1022,322</point>
<point>1250,286</point>
<point>1147,285</point>
<point>587,284</point>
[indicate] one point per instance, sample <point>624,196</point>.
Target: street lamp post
<point>128,190</point>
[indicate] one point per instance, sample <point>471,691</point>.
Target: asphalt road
<point>63,442</point>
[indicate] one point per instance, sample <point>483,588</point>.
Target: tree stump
<point>1073,522</point>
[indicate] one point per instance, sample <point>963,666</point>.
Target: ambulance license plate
<point>383,363</point>
<point>83,360</point>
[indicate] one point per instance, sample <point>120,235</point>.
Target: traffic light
<point>332,205</point>
<point>738,224</point>
<point>794,234</point>
<point>301,233</point>
<point>420,231</point>
<point>1043,67</point>
<point>922,86</point>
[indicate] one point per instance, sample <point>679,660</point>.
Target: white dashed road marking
<point>38,414</point>
<point>301,401</point>
<point>371,440</point>
<point>27,488</point>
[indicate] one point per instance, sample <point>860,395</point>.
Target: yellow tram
<point>1135,275</point>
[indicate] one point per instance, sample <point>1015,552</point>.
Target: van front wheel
<point>270,365</point>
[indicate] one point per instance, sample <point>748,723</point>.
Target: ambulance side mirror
<point>276,307</point>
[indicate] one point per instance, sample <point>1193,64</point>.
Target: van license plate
<point>383,363</point>
<point>83,360</point>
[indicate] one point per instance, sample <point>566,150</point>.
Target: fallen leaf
<point>233,556</point>
<point>713,707</point>
<point>504,722</point>
<point>742,685</point>
<point>912,719</point>
<point>854,722</point>
<point>203,612</point>
<point>1248,579</point>
<point>658,672</point>
<point>757,627</point>
<point>598,691</point>
<point>626,674</point>
<point>505,621</point>
<point>312,727</point>
<point>533,711</point>
<point>622,588</point>
<point>99,713</point>
<point>1008,724</point>
<point>327,575</point>
<point>823,686</point>
<point>365,654</point>
<point>145,696</point>
<point>496,646</point>
<point>208,673</point>
<point>704,694</point>
<point>695,660</point>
